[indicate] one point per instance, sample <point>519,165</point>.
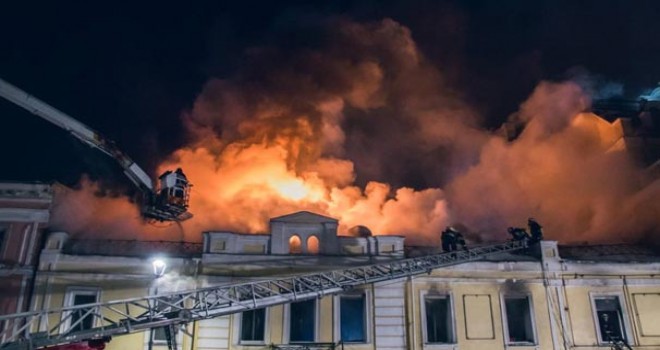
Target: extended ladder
<point>38,329</point>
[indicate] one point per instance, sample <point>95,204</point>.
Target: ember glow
<point>330,130</point>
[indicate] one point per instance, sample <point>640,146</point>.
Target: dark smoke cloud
<point>397,108</point>
<point>351,120</point>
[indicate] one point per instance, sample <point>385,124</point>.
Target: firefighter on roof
<point>535,229</point>
<point>518,234</point>
<point>448,239</point>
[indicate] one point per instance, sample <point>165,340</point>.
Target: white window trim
<point>368,302</point>
<point>287,323</point>
<point>505,321</point>
<point>624,315</point>
<point>160,343</point>
<point>149,334</point>
<point>423,294</point>
<point>238,321</point>
<point>69,296</point>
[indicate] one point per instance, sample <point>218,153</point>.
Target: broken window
<point>302,321</point>
<point>253,325</point>
<point>439,323</point>
<point>609,319</point>
<point>352,318</point>
<point>519,320</point>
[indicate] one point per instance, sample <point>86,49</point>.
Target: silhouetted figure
<point>460,240</point>
<point>518,234</point>
<point>448,239</point>
<point>536,230</point>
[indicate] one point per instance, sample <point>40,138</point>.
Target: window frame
<point>624,316</point>
<point>4,235</point>
<point>69,298</point>
<point>150,335</point>
<point>426,294</point>
<point>367,315</point>
<point>287,323</point>
<point>239,329</point>
<point>505,319</point>
<point>156,341</point>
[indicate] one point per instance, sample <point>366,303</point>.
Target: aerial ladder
<point>166,202</point>
<point>39,329</point>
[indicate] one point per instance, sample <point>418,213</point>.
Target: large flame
<point>302,129</point>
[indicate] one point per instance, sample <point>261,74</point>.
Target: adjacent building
<point>24,215</point>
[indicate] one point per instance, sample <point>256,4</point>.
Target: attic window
<point>295,246</point>
<point>312,245</point>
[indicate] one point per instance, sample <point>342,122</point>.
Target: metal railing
<point>37,329</point>
<point>131,248</point>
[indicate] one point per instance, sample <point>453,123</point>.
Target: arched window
<point>312,245</point>
<point>295,245</point>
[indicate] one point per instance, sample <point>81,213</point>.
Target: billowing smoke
<point>91,212</point>
<point>361,127</point>
<point>291,136</point>
<point>569,170</point>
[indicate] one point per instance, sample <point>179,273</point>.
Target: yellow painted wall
<point>326,319</point>
<point>52,295</point>
<point>641,304</point>
<point>485,313</point>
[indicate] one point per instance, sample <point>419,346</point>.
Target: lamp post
<point>159,266</point>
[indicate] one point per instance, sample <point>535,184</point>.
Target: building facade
<point>549,297</point>
<point>24,214</point>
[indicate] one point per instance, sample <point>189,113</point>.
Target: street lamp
<point>159,266</point>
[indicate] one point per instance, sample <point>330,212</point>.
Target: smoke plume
<point>568,169</point>
<point>361,127</point>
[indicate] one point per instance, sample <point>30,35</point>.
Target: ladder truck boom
<point>38,329</point>
<point>159,203</point>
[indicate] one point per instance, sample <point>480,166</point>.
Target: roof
<point>417,251</point>
<point>132,248</point>
<point>610,253</point>
<point>32,190</point>
<point>304,217</point>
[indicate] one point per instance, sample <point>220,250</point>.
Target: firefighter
<point>448,239</point>
<point>460,240</point>
<point>535,229</point>
<point>518,234</point>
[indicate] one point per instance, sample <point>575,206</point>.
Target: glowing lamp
<point>159,266</point>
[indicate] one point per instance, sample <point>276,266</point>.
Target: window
<point>302,319</point>
<point>352,314</point>
<point>438,319</point>
<point>253,325</point>
<point>609,319</point>
<point>160,335</point>
<point>312,245</point>
<point>518,317</point>
<point>166,334</point>
<point>3,234</point>
<point>82,318</point>
<point>295,245</point>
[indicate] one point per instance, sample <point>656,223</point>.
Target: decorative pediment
<point>304,217</point>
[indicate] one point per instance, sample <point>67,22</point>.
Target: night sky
<point>131,71</point>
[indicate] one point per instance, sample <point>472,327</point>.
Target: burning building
<point>338,131</point>
<point>544,297</point>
